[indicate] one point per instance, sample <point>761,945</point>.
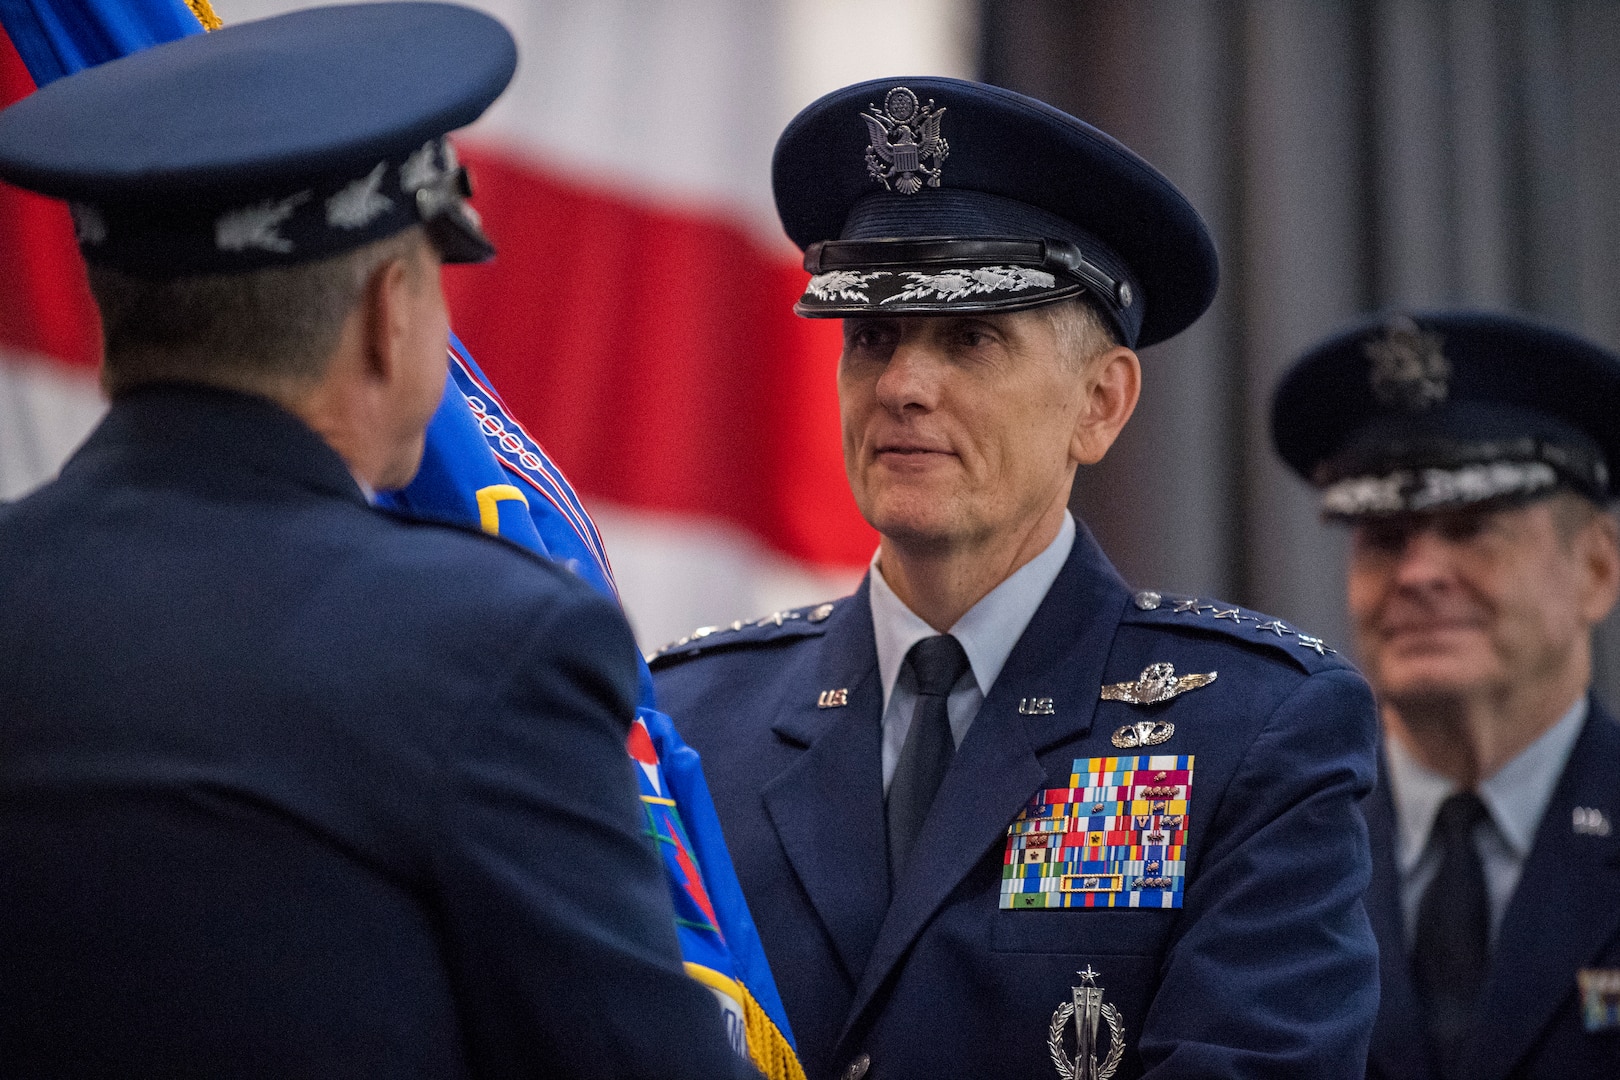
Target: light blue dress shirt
<point>987,634</point>
<point>1515,797</point>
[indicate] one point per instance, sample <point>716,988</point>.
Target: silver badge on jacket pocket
<point>1087,1010</point>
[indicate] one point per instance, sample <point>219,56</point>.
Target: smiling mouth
<point>1423,630</point>
<point>906,459</point>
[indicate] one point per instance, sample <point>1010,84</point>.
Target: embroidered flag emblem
<point>1113,838</point>
<point>1600,998</point>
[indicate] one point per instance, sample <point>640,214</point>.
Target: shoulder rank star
<point>1158,683</point>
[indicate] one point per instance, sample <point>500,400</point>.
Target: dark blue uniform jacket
<point>1564,916</point>
<point>290,788</point>
<point>1269,970</point>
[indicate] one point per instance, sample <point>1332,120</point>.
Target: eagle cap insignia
<point>1407,368</point>
<point>906,148</point>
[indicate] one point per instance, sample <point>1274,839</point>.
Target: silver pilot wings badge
<point>906,148</point>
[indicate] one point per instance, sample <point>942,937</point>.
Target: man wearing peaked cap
<point>1474,458</point>
<point>996,814</point>
<point>289,787</point>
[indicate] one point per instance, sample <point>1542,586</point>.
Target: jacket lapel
<point>1400,1049</point>
<point>1563,911</point>
<point>1061,655</point>
<point>827,807</point>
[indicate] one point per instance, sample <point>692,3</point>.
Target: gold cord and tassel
<point>205,14</point>
<point>770,1052</point>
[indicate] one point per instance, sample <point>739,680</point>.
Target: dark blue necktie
<point>1451,948</point>
<point>937,663</point>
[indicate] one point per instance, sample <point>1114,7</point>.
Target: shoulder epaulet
<point>778,625</point>
<point>1250,627</point>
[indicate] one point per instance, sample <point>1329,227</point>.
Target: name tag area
<point>1113,838</point>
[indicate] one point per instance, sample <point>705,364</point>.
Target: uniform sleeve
<point>1275,970</point>
<point>560,926</point>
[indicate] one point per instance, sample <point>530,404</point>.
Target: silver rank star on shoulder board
<point>1087,1010</point>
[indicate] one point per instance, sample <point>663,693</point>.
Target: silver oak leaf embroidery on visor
<point>843,285</point>
<point>1406,490</point>
<point>255,226</point>
<point>359,204</point>
<point>955,284</point>
<point>422,169</point>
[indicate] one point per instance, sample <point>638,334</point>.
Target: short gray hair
<point>1082,331</point>
<point>248,331</point>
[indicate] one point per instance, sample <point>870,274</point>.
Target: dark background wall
<point>1350,155</point>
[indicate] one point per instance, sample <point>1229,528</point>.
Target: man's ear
<point>1598,546</point>
<point>386,316</point>
<point>1113,383</point>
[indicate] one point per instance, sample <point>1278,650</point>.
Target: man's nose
<point>1426,561</point>
<point>910,379</point>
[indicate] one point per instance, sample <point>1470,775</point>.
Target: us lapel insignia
<point>1590,821</point>
<point>1113,838</point>
<point>1600,998</point>
<point>1158,683</point>
<point>833,699</point>
<point>1088,1010</point>
<point>1036,706</point>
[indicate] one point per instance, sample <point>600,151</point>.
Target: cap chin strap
<point>452,224</point>
<point>441,195</point>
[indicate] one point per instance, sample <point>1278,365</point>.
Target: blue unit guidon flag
<point>1113,838</point>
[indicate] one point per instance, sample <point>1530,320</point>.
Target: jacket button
<point>858,1067</point>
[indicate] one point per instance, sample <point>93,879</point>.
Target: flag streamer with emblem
<point>481,469</point>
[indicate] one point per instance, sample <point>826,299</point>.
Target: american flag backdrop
<point>637,319</point>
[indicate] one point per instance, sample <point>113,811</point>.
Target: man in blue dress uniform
<point>1473,456</point>
<point>996,814</point>
<point>288,787</point>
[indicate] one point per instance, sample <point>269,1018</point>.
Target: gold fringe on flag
<point>205,14</point>
<point>766,1046</point>
<point>768,1049</point>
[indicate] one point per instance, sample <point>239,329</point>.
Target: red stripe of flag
<point>45,305</point>
<point>656,355</point>
<point>653,351</point>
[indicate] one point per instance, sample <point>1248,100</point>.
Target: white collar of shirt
<point>987,632</point>
<point>1516,795</point>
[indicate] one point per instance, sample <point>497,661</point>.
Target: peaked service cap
<point>932,196</point>
<point>1411,412</point>
<point>268,143</point>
